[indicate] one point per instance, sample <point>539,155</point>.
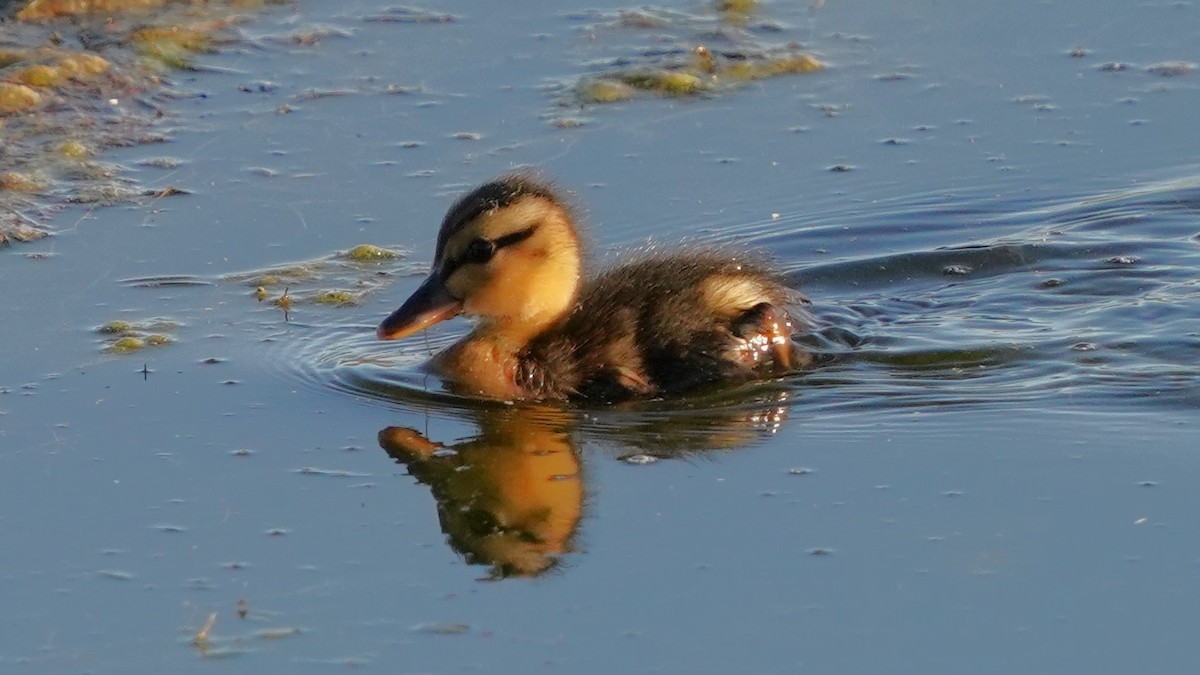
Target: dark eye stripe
<point>466,257</point>
<point>514,237</point>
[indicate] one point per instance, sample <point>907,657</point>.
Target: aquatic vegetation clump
<point>73,149</point>
<point>124,337</point>
<point>174,46</point>
<point>16,98</point>
<point>370,253</point>
<point>689,68</point>
<point>706,73</point>
<point>336,298</point>
<point>16,181</point>
<point>126,344</point>
<point>341,279</point>
<point>78,77</point>
<point>736,11</point>
<point>786,64</point>
<point>52,68</point>
<point>604,90</point>
<point>41,10</point>
<point>117,327</point>
<point>665,81</point>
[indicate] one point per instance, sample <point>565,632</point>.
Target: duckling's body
<point>661,325</point>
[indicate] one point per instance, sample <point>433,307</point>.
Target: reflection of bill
<point>510,497</point>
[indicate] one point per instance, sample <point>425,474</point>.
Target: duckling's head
<point>507,252</point>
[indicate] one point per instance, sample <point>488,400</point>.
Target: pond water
<point>995,211</point>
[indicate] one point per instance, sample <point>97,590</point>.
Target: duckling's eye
<point>479,252</point>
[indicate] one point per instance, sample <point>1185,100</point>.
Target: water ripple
<point>1087,304</point>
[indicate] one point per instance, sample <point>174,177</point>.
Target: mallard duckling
<point>508,252</point>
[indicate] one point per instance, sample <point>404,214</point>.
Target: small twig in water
<point>201,639</point>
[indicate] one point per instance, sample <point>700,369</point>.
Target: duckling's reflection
<point>512,496</point>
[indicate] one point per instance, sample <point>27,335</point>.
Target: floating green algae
<point>341,279</point>
<point>52,76</point>
<point>117,327</point>
<point>124,337</point>
<point>664,81</point>
<point>283,275</point>
<point>46,68</point>
<point>16,181</point>
<point>736,11</point>
<point>174,46</point>
<point>15,97</point>
<point>40,10</point>
<point>126,344</point>
<point>604,90</point>
<point>335,298</point>
<point>370,253</point>
<point>687,67</point>
<point>705,74</point>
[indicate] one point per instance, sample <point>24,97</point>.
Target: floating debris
<point>277,633</point>
<point>1123,260</point>
<point>1171,68</point>
<point>441,628</point>
<point>336,473</point>
<point>201,637</point>
<point>569,122</point>
<point>118,575</point>
<point>403,14</point>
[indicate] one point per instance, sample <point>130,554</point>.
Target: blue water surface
<point>994,208</point>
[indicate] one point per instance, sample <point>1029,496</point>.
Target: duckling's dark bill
<point>430,304</point>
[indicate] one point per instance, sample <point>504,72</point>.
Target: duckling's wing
<point>664,325</point>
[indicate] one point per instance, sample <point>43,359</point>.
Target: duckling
<point>509,253</point>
